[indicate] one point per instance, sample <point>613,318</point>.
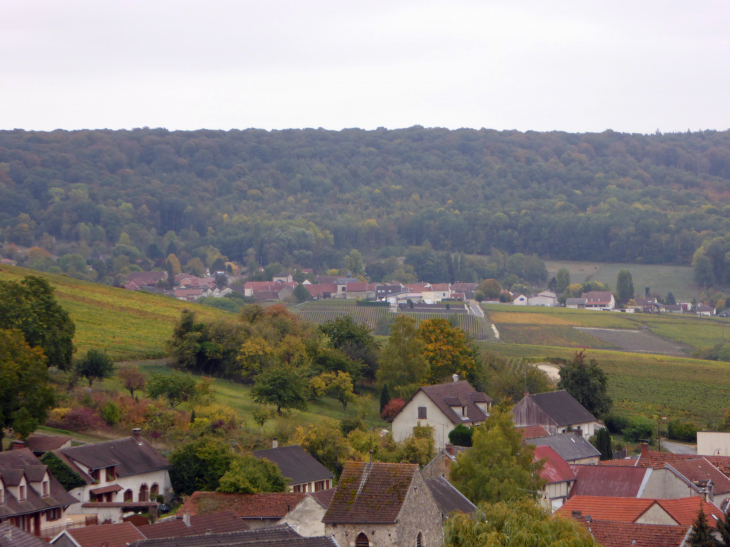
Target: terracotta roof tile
<point>296,464</point>
<point>603,508</point>
<point>701,469</point>
<point>684,510</point>
<point>533,431</point>
<point>45,443</point>
<point>262,537</point>
<point>630,462</point>
<point>115,535</point>
<point>264,505</point>
<point>555,469</point>
<point>608,481</point>
<point>621,534</point>
<point>217,523</point>
<point>324,497</point>
<point>370,493</point>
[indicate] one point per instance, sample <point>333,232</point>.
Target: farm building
<point>556,411</point>
<point>576,303</point>
<point>545,298</point>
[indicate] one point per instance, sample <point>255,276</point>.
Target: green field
<point>660,278</point>
<point>128,324</point>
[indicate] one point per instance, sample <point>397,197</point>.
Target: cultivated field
<point>128,324</point>
<point>551,335</point>
<point>638,341</point>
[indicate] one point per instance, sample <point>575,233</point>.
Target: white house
<point>121,474</point>
<point>599,300</point>
<point>545,298</point>
<point>520,300</point>
<point>442,406</point>
<point>305,474</point>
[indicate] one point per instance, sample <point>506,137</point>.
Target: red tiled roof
<point>701,469</point>
<point>370,493</point>
<point>217,523</point>
<point>630,462</point>
<point>684,510</point>
<point>324,497</point>
<point>440,287</point>
<point>146,278</point>
<point>120,504</point>
<point>114,535</point>
<point>555,469</point>
<point>418,287</point>
<point>608,481</point>
<point>357,287</point>
<point>533,431</point>
<point>265,505</point>
<point>622,534</point>
<point>320,288</point>
<point>602,508</point>
<point>657,460</point>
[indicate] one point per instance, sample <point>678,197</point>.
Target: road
<point>677,448</point>
<point>476,309</point>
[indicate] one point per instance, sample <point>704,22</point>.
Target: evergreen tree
<point>723,528</point>
<point>384,397</point>
<point>588,383</point>
<point>563,280</point>
<point>670,299</point>
<point>701,534</point>
<point>603,444</point>
<point>624,286</point>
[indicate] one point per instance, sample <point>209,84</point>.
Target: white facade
<point>539,300</point>
<point>520,300</point>
<point>712,443</point>
<point>306,518</point>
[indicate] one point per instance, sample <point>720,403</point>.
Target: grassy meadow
<point>127,324</point>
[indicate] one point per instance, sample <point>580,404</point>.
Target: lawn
<point>127,324</point>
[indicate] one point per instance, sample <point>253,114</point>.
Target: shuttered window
<point>422,413</point>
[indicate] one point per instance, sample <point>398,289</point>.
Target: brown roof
<point>533,431</point>
<point>370,493</point>
<point>608,481</point>
<point>324,497</point>
<point>15,464</point>
<point>440,286</point>
<point>296,464</point>
<point>272,536</point>
<point>555,469</point>
<point>120,504</point>
<point>146,278</point>
<point>657,460</point>
<point>626,462</point>
<point>217,523</point>
<point>562,408</point>
<point>46,443</point>
<point>456,394</point>
<point>106,489</point>
<point>264,505</point>
<point>701,469</point>
<point>598,297</point>
<point>622,534</point>
<point>17,537</point>
<point>114,535</point>
<point>130,456</point>
<point>321,288</point>
<point>448,498</point>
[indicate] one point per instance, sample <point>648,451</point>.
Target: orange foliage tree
<point>448,351</point>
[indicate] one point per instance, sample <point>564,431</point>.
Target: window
<point>45,488</point>
<point>128,495</point>
<point>22,493</point>
<point>144,493</point>
<point>463,411</point>
<point>319,485</point>
<point>362,540</point>
<point>419,540</point>
<point>53,514</point>
<point>95,475</point>
<point>110,474</point>
<point>154,491</point>
<point>422,413</point>
<point>297,488</point>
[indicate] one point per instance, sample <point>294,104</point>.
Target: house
<point>520,300</point>
<point>387,289</point>
<point>659,460</point>
<point>676,512</point>
<point>448,498</point>
<point>440,465</point>
<point>704,310</point>
<point>383,504</point>
<point>283,277</point>
<point>256,510</point>
<point>190,295</point>
<point>556,411</point>
<point>442,406</point>
<point>40,444</point>
<point>30,496</point>
<point>252,288</point>
<point>131,286</point>
<point>599,300</point>
<point>358,291</point>
<point>533,431</point>
<point>575,303</point>
<point>469,289</point>
<point>110,535</point>
<point>306,517</point>
<point>273,536</point>
<point>610,481</point>
<point>438,292</point>
<point>146,278</point>
<point>319,291</point>
<point>305,474</point>
<point>713,442</point>
<point>559,476</point>
<point>342,283</point>
<point>624,534</point>
<point>674,308</point>
<point>545,298</point>
<point>12,536</point>
<point>183,525</point>
<point>573,448</point>
<point>120,474</point>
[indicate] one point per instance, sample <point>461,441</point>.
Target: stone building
<point>383,505</point>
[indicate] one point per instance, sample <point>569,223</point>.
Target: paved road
<point>476,309</point>
<point>676,448</point>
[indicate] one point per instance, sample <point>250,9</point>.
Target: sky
<point>579,66</point>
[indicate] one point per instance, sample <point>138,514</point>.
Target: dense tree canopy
<point>588,383</point>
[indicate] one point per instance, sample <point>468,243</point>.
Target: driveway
<point>677,448</point>
<point>476,309</point>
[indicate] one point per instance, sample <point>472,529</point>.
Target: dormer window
<point>110,474</point>
<point>95,474</point>
<point>45,489</point>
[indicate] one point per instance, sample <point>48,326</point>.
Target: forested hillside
<point>307,197</point>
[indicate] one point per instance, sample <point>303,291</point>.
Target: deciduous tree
<point>132,379</point>
<point>199,465</point>
<point>563,279</point>
<point>587,383</point>
<point>96,365</point>
<point>447,350</point>
<point>491,288</point>
<point>282,387</point>
<point>176,387</point>
<point>402,363</point>
<point>250,475</point>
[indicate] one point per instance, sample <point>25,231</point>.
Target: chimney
<point>137,434</point>
<point>208,532</point>
<point>275,443</point>
<point>371,456</point>
<point>18,445</point>
<point>186,518</point>
<point>644,450</point>
<point>456,377</point>
<point>449,449</point>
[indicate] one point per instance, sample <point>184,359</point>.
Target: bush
<point>682,431</point>
<point>461,435</point>
<point>111,413</point>
<point>639,429</point>
<point>391,409</point>
<point>351,424</point>
<point>77,419</point>
<point>615,423</point>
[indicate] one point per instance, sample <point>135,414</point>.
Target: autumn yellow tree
<point>447,350</point>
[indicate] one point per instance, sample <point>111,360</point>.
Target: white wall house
<point>545,298</point>
<point>520,300</point>
<point>442,406</point>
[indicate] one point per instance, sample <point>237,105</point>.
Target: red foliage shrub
<point>391,409</point>
<point>78,419</point>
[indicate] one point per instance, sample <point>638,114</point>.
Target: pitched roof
<point>608,481</point>
<point>323,497</point>
<point>626,462</point>
<point>17,537</point>
<point>296,464</point>
<point>281,534</point>
<point>45,443</point>
<point>533,431</point>
<point>555,468</point>
<point>114,535</point>
<point>146,278</point>
<point>622,534</point>
<point>684,510</point>
<point>357,287</point>
<point>562,407</point>
<point>700,469</point>
<point>574,301</point>
<point>15,464</point>
<point>448,498</point>
<point>657,460</point>
<point>319,289</point>
<point>370,493</point>
<point>264,505</point>
<point>217,523</point>
<point>569,446</point>
<point>456,394</point>
<point>130,456</point>
<point>598,297</point>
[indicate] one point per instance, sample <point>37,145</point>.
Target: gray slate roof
<point>456,394</point>
<point>263,537</point>
<point>448,498</point>
<point>562,408</point>
<point>296,464</point>
<point>569,446</point>
<point>18,538</point>
<point>129,455</point>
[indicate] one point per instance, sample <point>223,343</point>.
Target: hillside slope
<point>127,324</point>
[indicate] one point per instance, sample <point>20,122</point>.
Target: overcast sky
<point>634,66</point>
